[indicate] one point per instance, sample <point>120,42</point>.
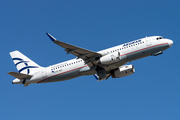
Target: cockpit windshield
<point>159,38</point>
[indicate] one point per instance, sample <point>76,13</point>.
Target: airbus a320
<point>103,64</point>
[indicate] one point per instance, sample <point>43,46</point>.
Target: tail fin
<point>24,64</point>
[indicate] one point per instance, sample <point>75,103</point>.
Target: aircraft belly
<point>145,52</point>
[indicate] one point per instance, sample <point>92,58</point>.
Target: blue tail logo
<point>26,67</point>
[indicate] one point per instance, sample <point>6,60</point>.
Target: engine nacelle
<point>110,58</point>
<point>123,71</point>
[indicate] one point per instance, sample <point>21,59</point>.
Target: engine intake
<point>123,71</point>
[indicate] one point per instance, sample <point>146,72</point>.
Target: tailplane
<point>19,75</point>
<point>23,64</point>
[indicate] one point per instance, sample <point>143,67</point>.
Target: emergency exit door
<point>148,41</point>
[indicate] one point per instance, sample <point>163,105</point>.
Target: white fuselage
<point>76,67</point>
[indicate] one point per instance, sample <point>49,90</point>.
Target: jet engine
<point>123,71</point>
<point>110,58</point>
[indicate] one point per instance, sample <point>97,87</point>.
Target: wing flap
<point>19,75</point>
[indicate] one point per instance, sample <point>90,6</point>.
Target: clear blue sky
<point>152,93</point>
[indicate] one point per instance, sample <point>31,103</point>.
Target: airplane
<point>102,64</point>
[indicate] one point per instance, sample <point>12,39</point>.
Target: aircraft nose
<point>170,42</point>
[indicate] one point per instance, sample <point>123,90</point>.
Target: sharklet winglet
<point>96,76</point>
<point>51,37</point>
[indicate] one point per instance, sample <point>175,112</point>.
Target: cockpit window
<point>159,38</point>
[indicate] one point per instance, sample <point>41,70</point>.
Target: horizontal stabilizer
<point>19,75</point>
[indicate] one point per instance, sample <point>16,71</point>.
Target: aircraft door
<point>106,52</point>
<point>148,41</point>
<point>43,72</point>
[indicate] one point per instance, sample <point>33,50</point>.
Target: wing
<point>88,56</point>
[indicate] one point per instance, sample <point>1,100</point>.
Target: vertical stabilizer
<point>24,64</point>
